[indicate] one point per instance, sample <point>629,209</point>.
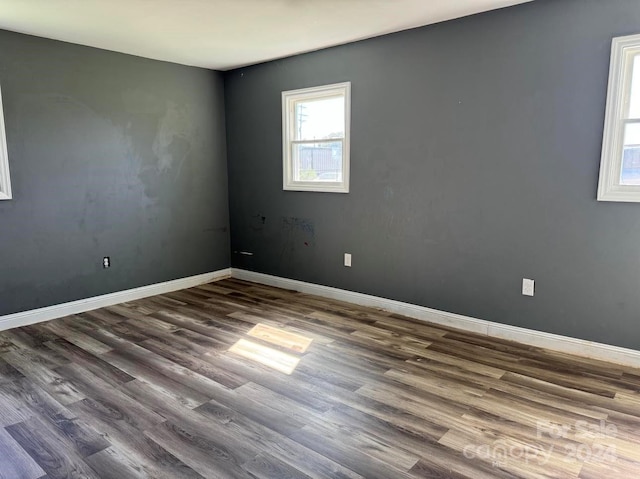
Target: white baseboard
<point>564,344</point>
<point>60,310</point>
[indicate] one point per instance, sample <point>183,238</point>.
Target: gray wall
<point>110,155</point>
<point>474,161</point>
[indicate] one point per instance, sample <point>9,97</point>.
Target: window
<point>620,164</point>
<point>5,183</point>
<point>315,126</point>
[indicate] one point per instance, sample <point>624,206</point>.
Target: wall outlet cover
<point>528,287</point>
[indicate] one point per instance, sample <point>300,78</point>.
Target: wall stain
<point>172,143</point>
<point>165,138</point>
<point>292,223</point>
<point>298,233</point>
<point>258,222</point>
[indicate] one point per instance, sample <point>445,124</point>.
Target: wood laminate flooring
<point>194,384</point>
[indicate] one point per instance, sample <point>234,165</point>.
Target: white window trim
<point>5,180</point>
<point>623,50</point>
<point>288,101</point>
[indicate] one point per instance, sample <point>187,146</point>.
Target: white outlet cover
<point>528,287</point>
<point>347,259</point>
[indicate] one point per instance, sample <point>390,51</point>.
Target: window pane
<point>315,138</point>
<point>319,119</point>
<point>630,173</point>
<point>319,162</point>
<point>634,100</point>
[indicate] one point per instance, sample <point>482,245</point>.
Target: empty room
<point>350,239</point>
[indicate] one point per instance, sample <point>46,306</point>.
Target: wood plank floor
<point>194,384</point>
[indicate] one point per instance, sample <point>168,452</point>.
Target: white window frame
<point>5,180</point>
<point>289,99</point>
<point>623,51</point>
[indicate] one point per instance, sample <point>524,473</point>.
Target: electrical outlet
<point>106,262</point>
<point>347,259</point>
<point>528,287</point>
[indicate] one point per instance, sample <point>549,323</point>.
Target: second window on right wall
<point>5,182</point>
<point>620,162</point>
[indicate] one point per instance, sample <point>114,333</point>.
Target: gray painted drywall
<point>474,163</point>
<point>110,155</point>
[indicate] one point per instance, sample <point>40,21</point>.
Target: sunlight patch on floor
<point>283,362</point>
<point>273,358</point>
<point>281,338</point>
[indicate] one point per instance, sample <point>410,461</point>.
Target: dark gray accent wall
<point>474,163</point>
<point>110,155</point>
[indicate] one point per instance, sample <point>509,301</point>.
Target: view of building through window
<point>320,132</point>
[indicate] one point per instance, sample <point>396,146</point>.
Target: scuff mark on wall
<point>258,222</point>
<point>291,223</point>
<point>298,233</point>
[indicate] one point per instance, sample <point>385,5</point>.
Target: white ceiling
<point>224,34</point>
